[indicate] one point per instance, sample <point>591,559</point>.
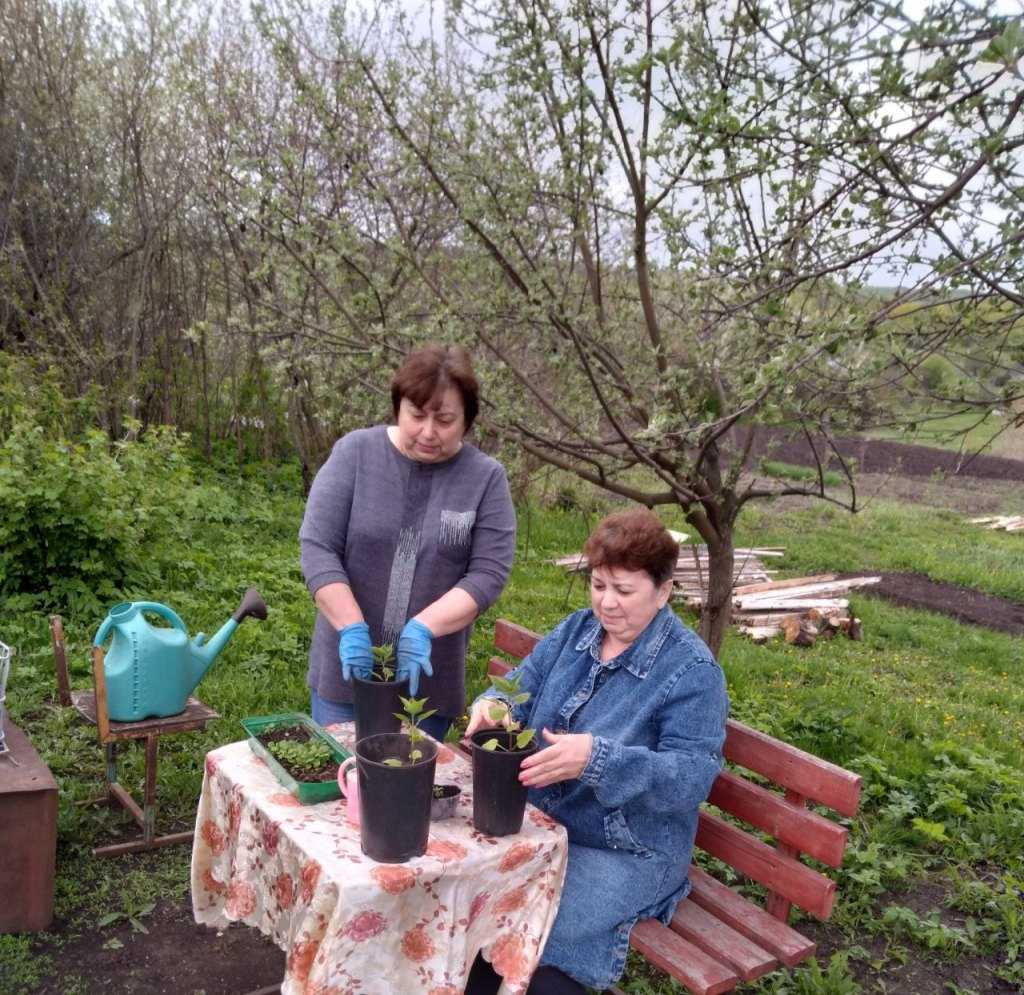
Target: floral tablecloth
<point>351,926</point>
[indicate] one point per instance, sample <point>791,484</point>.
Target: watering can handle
<point>164,612</point>
<point>145,606</point>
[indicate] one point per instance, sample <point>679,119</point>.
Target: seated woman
<point>632,707</point>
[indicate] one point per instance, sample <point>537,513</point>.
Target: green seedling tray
<point>307,792</point>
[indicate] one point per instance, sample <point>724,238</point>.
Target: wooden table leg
<point>149,798</point>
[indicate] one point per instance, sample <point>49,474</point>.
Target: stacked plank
<point>1007,523</point>
<point>802,609</point>
<point>690,577</point>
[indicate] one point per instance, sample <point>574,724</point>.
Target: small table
<point>351,926</point>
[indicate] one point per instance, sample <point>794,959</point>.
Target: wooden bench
<point>717,938</point>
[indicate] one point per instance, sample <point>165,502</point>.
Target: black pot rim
<point>376,763</point>
<point>375,683</point>
<point>478,744</point>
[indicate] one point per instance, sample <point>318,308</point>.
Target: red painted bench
<point>717,938</point>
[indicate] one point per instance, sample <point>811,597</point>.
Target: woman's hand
<point>564,760</point>
<point>488,713</point>
<point>354,651</point>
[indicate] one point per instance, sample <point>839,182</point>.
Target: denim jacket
<point>657,714</point>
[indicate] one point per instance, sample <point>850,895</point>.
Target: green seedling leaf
<point>113,944</point>
<point>497,712</point>
<point>109,918</point>
<point>509,688</point>
<point>137,926</point>
<point>393,762</point>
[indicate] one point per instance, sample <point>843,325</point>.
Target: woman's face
<point>625,601</point>
<point>432,433</point>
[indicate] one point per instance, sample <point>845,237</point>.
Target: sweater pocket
<point>455,534</point>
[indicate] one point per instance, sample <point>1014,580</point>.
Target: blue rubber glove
<point>354,651</point>
<point>414,654</point>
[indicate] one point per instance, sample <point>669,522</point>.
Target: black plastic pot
<point>376,703</point>
<point>394,801</point>
<point>499,800</point>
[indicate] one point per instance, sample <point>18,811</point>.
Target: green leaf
<point>933,830</point>
<point>491,744</point>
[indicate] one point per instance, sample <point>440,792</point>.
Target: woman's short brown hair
<point>633,540</point>
<point>434,368</point>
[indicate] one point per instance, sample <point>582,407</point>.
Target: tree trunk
<point>717,611</point>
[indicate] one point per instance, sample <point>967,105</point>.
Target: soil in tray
<point>303,775</point>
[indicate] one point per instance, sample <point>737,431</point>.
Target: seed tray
<point>307,792</point>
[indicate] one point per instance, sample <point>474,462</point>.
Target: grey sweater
<point>401,533</point>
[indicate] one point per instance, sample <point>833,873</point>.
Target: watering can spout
<point>204,653</point>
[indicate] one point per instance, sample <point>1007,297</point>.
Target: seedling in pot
<point>511,695</point>
<point>412,715</point>
<point>383,662</point>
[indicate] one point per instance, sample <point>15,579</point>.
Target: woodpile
<point>801,609</point>
<point>1007,523</point>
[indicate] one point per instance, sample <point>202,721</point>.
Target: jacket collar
<point>640,656</point>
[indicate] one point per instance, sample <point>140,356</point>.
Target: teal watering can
<point>152,671</point>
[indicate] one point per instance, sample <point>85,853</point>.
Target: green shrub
<point>81,518</point>
<point>78,519</point>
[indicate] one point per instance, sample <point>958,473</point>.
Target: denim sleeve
<point>493,543</point>
<point>325,522</point>
<point>678,774</point>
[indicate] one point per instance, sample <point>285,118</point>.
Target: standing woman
<point>408,536</point>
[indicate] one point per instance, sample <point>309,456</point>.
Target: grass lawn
<point>928,710</point>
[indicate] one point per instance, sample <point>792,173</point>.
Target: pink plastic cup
<point>348,782</point>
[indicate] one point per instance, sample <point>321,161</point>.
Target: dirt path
<point>964,603</point>
<point>880,456</point>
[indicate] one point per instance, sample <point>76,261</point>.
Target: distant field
<point>989,435</point>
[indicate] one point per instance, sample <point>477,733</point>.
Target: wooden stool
<point>92,706</point>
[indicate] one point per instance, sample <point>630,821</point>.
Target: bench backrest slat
<point>789,767</point>
<point>516,640</point>
<point>812,834</point>
<point>784,875</point>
